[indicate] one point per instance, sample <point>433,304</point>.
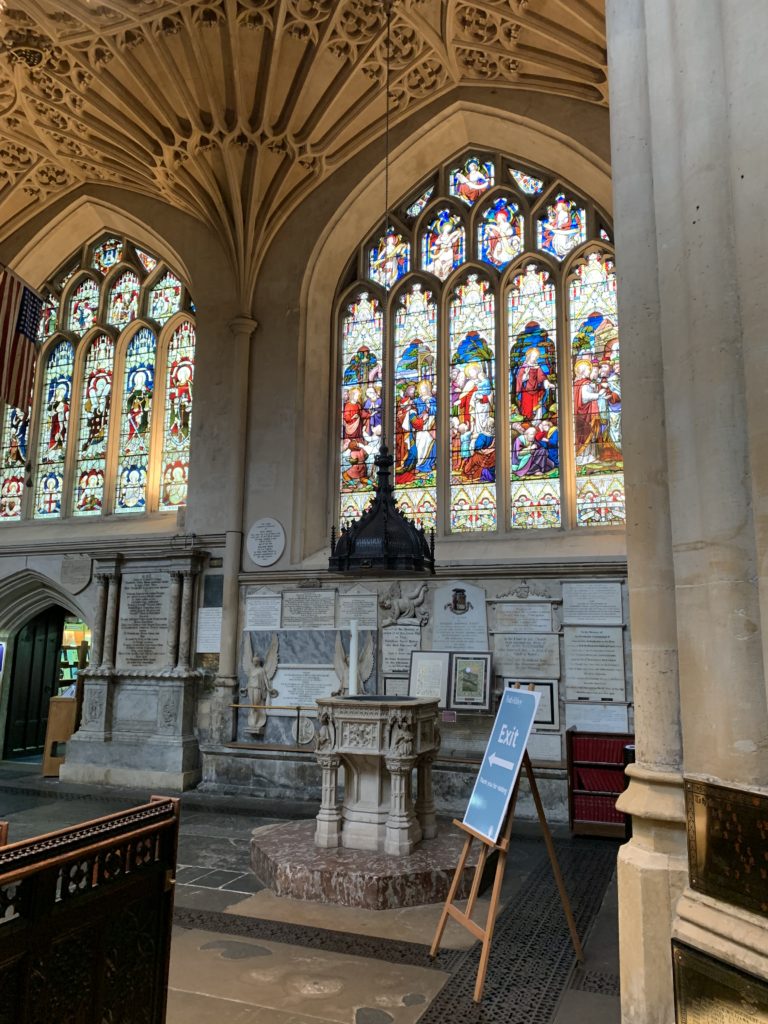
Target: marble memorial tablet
<point>397,642</point>
<point>309,609</point>
<point>301,685</point>
<point>588,604</point>
<point>527,655</point>
<point>142,630</point>
<point>522,617</point>
<point>265,542</point>
<point>358,603</point>
<point>543,747</point>
<point>459,618</point>
<point>591,717</point>
<point>263,610</point>
<point>208,630</point>
<point>594,663</point>
<point>396,686</point>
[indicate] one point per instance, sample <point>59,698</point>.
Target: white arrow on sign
<point>493,759</point>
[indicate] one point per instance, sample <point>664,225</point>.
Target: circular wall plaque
<point>265,542</point>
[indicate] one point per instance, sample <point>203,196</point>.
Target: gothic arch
<point>25,594</point>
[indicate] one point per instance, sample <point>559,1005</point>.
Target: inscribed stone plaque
<point>543,747</point>
<point>594,663</point>
<point>710,991</point>
<point>396,686</point>
<point>728,844</point>
<point>208,630</point>
<point>397,642</point>
<point>522,617</point>
<point>263,610</point>
<point>301,684</point>
<point>592,604</point>
<point>527,655</point>
<point>142,630</point>
<point>459,619</point>
<point>358,603</point>
<point>75,572</point>
<point>309,609</point>
<point>591,717</point>
<point>265,542</point>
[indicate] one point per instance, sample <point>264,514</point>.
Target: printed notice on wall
<point>142,631</point>
<point>594,663</point>
<point>592,604</point>
<point>309,609</point>
<point>208,630</point>
<point>397,642</point>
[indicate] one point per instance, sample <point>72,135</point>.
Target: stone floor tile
<point>187,874</point>
<point>196,897</point>
<point>244,883</point>
<point>196,1008</point>
<point>588,1008</point>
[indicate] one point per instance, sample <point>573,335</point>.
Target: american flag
<point>20,310</point>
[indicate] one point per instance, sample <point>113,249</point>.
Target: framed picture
<point>429,675</point>
<point>471,681</point>
<point>395,686</point>
<point>548,714</point>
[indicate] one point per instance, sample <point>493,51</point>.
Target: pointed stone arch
<point>25,594</point>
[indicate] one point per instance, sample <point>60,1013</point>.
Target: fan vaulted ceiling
<point>233,110</point>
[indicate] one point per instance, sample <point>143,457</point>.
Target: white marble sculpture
<point>404,608</point>
<point>260,674</point>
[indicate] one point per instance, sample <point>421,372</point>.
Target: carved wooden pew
<point>85,920</point>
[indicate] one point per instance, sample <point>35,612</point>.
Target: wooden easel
<point>464,917</point>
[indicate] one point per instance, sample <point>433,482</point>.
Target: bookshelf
<point>595,781</point>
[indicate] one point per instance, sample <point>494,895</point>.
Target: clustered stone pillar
<point>185,629</point>
<point>328,831</point>
<point>173,619</point>
<point>425,801</point>
<point>110,624</point>
<point>97,634</point>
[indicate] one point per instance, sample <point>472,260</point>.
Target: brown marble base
<point>284,857</point>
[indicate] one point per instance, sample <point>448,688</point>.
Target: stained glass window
<point>593,321</point>
<point>107,255</point>
<point>389,259</point>
<point>562,228</point>
<point>165,298</point>
<point>500,232</point>
<point>415,405</point>
<point>472,180</point>
<point>14,458</point>
<point>135,423</point>
<point>54,430</point>
<point>533,401</point>
<point>83,307</point>
<point>419,204</point>
<point>124,300</point>
<point>49,316</point>
<point>91,458</point>
<point>442,244</point>
<point>473,432</point>
<point>178,416</point>
<point>605,237</point>
<point>148,262</point>
<point>362,343</point>
<point>526,182</point>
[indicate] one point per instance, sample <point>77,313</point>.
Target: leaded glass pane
<point>389,259</point>
<point>526,182</point>
<point>107,255</point>
<point>419,204</point>
<point>91,463</point>
<point>593,324</point>
<point>473,432</point>
<point>361,420</point>
<point>472,180</point>
<point>124,300</point>
<point>165,298</point>
<point>535,455</point>
<point>49,316</point>
<point>83,307</point>
<point>14,458</point>
<point>54,431</point>
<point>415,391</point>
<point>178,416</point>
<point>562,228</point>
<point>148,262</point>
<point>442,244</point>
<point>136,421</point>
<point>500,233</point>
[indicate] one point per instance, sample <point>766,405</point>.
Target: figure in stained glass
<point>563,228</point>
<point>362,367</point>
<point>131,488</point>
<point>11,494</point>
<point>419,431</point>
<point>137,407</point>
<point>58,412</point>
<point>501,233</point>
<point>443,244</point>
<point>165,298</point>
<point>49,503</point>
<point>48,318</point>
<point>532,383</point>
<point>16,447</point>
<point>124,300</point>
<point>90,487</point>
<point>83,307</point>
<point>389,259</point>
<point>175,484</point>
<point>471,181</point>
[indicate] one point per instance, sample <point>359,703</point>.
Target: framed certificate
<point>471,681</point>
<point>429,675</point>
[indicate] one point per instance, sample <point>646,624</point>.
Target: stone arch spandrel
<point>26,593</point>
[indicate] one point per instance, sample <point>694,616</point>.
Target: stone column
<point>173,619</point>
<point>328,831</point>
<point>110,624</point>
<point>97,635</point>
<point>185,627</point>
<point>425,800</point>
<point>402,831</point>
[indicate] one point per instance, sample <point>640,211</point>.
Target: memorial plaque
<point>263,610</point>
<point>75,572</point>
<point>208,630</point>
<point>309,609</point>
<point>142,630</point>
<point>527,655</point>
<point>459,620</point>
<point>543,747</point>
<point>265,542</point>
<point>361,604</point>
<point>397,642</point>
<point>710,991</point>
<point>727,844</point>
<point>300,685</point>
<point>523,617</point>
<point>591,717</point>
<point>396,686</point>
<point>594,663</point>
<point>592,604</point>
<point>548,715</point>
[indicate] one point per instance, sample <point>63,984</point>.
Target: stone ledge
<point>284,857</point>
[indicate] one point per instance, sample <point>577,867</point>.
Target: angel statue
<point>400,608</point>
<point>341,664</point>
<point>260,674</point>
